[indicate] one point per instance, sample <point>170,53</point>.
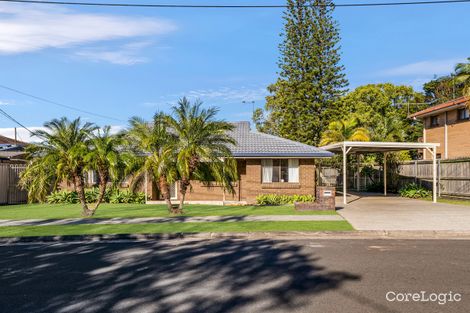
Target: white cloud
<point>21,133</point>
<point>230,94</point>
<point>125,55</point>
<point>218,97</point>
<point>424,68</point>
<point>5,102</point>
<point>31,29</point>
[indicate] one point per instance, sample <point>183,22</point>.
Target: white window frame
<point>267,171</point>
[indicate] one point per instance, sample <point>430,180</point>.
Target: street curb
<point>405,235</point>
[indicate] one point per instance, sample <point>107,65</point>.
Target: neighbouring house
<point>12,151</point>
<point>12,163</point>
<point>266,165</point>
<point>448,124</point>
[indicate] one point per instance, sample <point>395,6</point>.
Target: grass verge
<point>58,230</point>
<point>60,211</point>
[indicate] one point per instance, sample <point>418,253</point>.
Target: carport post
<point>385,173</point>
<point>146,187</point>
<point>345,153</point>
<point>345,159</point>
<point>434,175</point>
<point>358,170</point>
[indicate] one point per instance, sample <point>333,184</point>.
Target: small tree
<point>462,71</point>
<point>105,158</point>
<point>155,153</point>
<point>202,146</point>
<point>64,147</point>
<point>344,130</point>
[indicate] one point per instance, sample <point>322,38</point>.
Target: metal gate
<point>10,193</point>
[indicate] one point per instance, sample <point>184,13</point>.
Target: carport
<point>362,147</point>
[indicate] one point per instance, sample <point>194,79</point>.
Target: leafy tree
<point>442,89</point>
<point>304,100</point>
<point>105,158</point>
<point>377,104</point>
<point>389,129</point>
<point>63,148</point>
<point>344,130</point>
<point>462,71</point>
<point>202,147</point>
<point>154,153</point>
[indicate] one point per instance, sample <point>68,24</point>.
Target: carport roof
<point>377,146</point>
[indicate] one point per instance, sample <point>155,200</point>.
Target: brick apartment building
<point>448,124</point>
<point>266,165</point>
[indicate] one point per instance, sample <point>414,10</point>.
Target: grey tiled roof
<point>254,144</point>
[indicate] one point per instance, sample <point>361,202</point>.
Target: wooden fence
<point>10,193</point>
<point>453,176</point>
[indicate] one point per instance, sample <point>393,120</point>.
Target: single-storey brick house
<point>266,165</point>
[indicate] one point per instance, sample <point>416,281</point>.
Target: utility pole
<point>252,104</point>
<point>16,137</point>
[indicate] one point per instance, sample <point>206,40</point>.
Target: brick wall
<point>249,186</point>
<point>458,144</point>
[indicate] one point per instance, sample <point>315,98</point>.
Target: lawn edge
<point>352,234</point>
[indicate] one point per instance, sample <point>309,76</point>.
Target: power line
<point>11,118</point>
<point>229,6</point>
<point>59,104</point>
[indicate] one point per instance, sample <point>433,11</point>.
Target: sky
<point>123,62</point>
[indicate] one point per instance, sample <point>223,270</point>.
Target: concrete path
<point>178,219</point>
<point>396,213</point>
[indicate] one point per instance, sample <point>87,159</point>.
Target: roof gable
<point>446,106</point>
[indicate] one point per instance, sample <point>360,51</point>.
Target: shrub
<point>63,196</point>
<point>273,199</point>
<point>414,191</point>
<point>126,196</point>
<point>375,187</point>
<point>91,195</point>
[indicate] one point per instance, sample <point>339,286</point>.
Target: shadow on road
<point>171,276</point>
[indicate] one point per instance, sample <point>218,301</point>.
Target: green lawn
<point>59,211</point>
<point>24,231</point>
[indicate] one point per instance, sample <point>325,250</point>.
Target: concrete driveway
<point>395,213</point>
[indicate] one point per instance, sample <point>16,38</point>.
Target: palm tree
<point>462,71</point>
<point>344,130</point>
<point>155,153</point>
<point>64,147</point>
<point>203,146</point>
<point>39,177</point>
<point>389,129</point>
<point>105,158</point>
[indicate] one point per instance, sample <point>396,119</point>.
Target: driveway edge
<point>425,235</point>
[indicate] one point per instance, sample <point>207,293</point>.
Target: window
<point>434,120</point>
<point>280,171</point>
<point>463,114</point>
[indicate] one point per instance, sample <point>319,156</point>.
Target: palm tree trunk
<point>165,190</point>
<point>80,189</point>
<point>102,187</point>
<point>183,188</point>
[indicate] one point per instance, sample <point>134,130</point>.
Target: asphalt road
<point>233,276</point>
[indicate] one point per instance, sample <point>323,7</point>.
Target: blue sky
<point>121,62</point>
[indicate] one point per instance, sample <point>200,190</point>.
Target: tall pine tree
<point>311,80</point>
